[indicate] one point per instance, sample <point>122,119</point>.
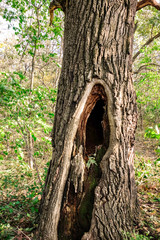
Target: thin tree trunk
<point>31,88</point>
<point>90,190</point>
<point>31,160</point>
<point>30,154</point>
<point>33,68</point>
<point>30,144</point>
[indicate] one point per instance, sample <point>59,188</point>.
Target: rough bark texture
<point>95,80</point>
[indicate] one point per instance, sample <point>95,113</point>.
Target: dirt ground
<point>147,171</point>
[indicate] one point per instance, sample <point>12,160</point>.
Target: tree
<point>31,26</point>
<point>147,66</point>
<point>22,113</point>
<point>90,190</point>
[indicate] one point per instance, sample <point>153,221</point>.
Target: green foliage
<point>148,98</point>
<point>154,134</point>
<point>148,19</point>
<point>91,161</point>
<point>37,44</point>
<point>26,112</point>
<point>136,236</point>
<point>145,171</point>
<point>6,231</point>
<point>20,195</point>
<point>23,113</point>
<point>30,20</point>
<point>146,66</point>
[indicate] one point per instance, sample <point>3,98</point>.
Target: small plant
<point>20,197</point>
<point>136,236</point>
<point>6,231</point>
<point>91,161</point>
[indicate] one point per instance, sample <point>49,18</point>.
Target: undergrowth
<point>147,172</point>
<point>20,195</point>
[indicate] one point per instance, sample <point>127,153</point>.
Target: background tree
<point>30,22</point>
<point>147,65</point>
<point>26,115</point>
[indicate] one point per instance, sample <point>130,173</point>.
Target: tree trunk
<point>30,149</point>
<point>90,189</point>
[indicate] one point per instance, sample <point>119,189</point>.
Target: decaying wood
<point>78,197</point>
<point>97,93</point>
<point>78,170</point>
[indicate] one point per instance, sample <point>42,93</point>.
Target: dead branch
<point>145,67</point>
<point>145,3</point>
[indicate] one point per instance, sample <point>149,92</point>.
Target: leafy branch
<point>149,41</point>
<point>142,67</point>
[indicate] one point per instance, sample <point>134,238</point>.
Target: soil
<point>148,185</point>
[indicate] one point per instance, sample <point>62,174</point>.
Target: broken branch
<point>145,3</point>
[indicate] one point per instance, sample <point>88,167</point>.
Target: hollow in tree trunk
<point>90,189</point>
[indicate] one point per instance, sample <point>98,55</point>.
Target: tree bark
<point>90,189</point>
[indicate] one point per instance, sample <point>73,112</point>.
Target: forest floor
<point>147,171</point>
<point>21,193</point>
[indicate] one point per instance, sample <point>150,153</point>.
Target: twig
<point>145,3</point>
<point>145,66</point>
<point>22,233</point>
<point>146,44</point>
